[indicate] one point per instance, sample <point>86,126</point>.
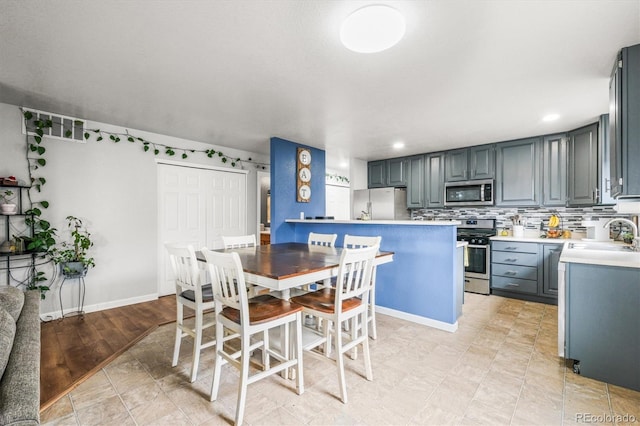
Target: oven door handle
<point>477,246</point>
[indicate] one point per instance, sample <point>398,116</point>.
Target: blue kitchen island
<point>425,281</point>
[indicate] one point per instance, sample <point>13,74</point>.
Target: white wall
<point>113,188</point>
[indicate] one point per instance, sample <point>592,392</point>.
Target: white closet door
<point>196,206</point>
<point>337,202</point>
<point>226,206</point>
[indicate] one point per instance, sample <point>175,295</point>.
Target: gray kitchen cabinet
<point>385,173</point>
<point>602,322</point>
<point>554,170</point>
<point>518,173</point>
<point>397,172</point>
<point>604,163</point>
<point>583,166</point>
<point>477,162</point>
<point>624,127</point>
<point>377,174</point>
<point>550,259</point>
<point>525,270</point>
<point>415,182</point>
<point>434,180</point>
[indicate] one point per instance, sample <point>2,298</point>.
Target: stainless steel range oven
<point>478,270</point>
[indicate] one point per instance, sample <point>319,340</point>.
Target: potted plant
<point>72,255</point>
<point>6,206</point>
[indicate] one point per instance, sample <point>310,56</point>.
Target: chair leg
<point>373,332</point>
<point>299,370</point>
<point>215,385</point>
<point>197,343</point>
<point>176,347</point>
<point>354,335</point>
<point>340,363</point>
<point>367,356</point>
<point>266,359</point>
<point>244,379</point>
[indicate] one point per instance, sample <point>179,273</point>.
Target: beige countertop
<point>379,222</point>
<point>605,256</point>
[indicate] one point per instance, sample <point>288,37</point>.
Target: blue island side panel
<point>421,278</point>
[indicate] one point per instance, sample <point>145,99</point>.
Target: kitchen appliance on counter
<point>469,193</point>
<point>477,273</point>
<point>596,230</point>
<point>380,204</point>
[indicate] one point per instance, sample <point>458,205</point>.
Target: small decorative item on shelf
<point>9,181</point>
<point>6,206</point>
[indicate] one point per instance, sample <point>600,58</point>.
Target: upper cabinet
<point>377,174</point>
<point>477,162</point>
<point>518,173</point>
<point>583,166</point>
<point>624,126</point>
<point>385,173</point>
<point>604,163</point>
<point>397,172</point>
<point>554,170</point>
<point>434,180</point>
<point>415,182</point>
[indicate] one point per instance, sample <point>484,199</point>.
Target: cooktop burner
<point>476,231</point>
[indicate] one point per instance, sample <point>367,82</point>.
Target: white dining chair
<point>238,241</point>
<point>327,240</point>
<point>192,293</point>
<point>346,301</point>
<point>250,318</point>
<point>357,241</point>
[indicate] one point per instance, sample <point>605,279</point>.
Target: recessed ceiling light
<point>372,29</point>
<point>398,145</point>
<point>550,117</point>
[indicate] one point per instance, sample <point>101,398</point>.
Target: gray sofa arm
<point>20,385</point>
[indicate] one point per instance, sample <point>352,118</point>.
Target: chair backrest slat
<point>227,281</point>
<point>239,241</point>
<point>184,263</point>
<point>357,241</point>
<point>327,240</point>
<point>354,274</point>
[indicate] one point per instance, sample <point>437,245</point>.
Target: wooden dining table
<point>284,266</point>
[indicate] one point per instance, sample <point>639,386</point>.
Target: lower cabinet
<point>525,270</point>
<point>602,322</point>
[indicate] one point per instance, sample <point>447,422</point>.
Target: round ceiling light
<point>372,29</point>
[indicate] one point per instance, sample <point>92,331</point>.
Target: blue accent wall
<point>421,280</point>
<point>284,204</point>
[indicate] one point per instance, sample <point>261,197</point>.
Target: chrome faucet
<point>634,227</point>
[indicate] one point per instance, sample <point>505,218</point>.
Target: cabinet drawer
<point>515,258</point>
<point>514,246</point>
<point>514,284</point>
<point>515,271</point>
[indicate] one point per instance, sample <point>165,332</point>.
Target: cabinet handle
<point>510,248</point>
<point>510,260</point>
<point>513,285</point>
<point>511,273</point>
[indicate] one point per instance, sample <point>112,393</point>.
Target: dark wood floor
<point>75,348</point>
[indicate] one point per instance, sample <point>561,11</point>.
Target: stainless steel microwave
<point>469,193</point>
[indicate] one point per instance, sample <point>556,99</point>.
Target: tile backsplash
<point>534,217</point>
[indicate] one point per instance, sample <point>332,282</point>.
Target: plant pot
<point>8,208</point>
<point>73,269</point>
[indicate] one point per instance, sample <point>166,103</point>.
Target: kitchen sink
<point>600,246</point>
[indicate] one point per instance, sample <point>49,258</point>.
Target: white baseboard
<point>102,306</point>
<point>445,326</point>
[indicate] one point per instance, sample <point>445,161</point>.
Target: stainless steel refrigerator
<point>381,203</point>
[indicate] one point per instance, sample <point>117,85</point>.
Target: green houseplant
<point>72,255</point>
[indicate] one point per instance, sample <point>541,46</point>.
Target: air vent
<point>62,127</point>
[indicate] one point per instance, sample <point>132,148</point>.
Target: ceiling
<point>235,73</point>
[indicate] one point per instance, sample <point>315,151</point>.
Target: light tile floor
<point>499,368</point>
